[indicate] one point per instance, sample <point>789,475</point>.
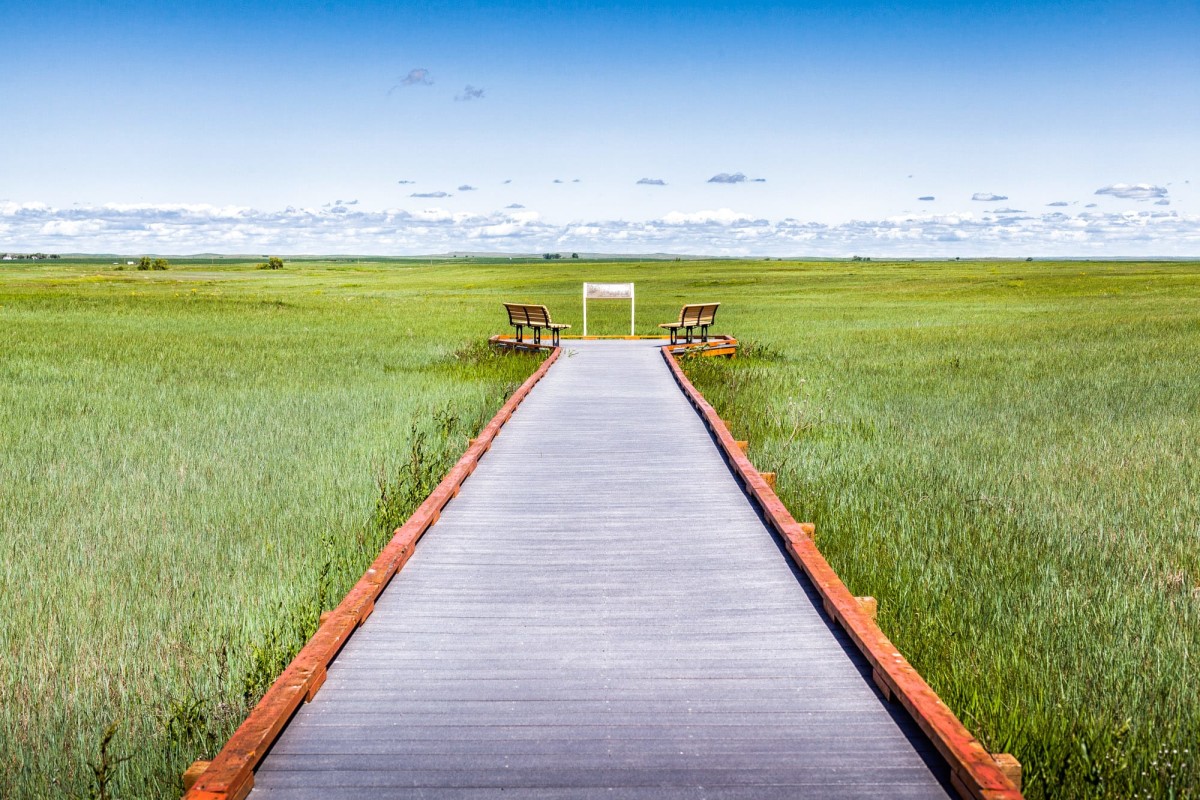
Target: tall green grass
<point>194,463</point>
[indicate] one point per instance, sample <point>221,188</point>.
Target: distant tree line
<point>26,256</point>
<point>146,263</point>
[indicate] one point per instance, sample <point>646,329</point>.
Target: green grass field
<point>1004,453</point>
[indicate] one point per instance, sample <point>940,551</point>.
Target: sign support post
<point>631,306</point>
<point>609,291</point>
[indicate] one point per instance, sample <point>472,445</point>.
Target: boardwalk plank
<point>790,791</point>
<point>355,774</point>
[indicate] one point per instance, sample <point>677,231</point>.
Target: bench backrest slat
<point>523,314</point>
<point>538,315</point>
<point>698,314</point>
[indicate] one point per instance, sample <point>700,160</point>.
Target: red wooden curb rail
<point>230,776</point>
<point>973,771</point>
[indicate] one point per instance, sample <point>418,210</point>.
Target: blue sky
<point>239,127</point>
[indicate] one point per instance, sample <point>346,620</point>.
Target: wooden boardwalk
<point>601,612</point>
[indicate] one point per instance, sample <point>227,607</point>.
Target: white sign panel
<point>608,291</point>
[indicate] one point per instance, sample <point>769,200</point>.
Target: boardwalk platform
<point>601,612</point>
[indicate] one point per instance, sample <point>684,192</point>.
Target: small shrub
<point>187,721</point>
<point>762,351</point>
<point>145,263</point>
<point>160,263</point>
<point>105,769</point>
<point>274,262</point>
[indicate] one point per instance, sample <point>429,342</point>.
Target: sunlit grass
<point>1003,453</point>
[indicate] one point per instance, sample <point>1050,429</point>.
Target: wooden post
<point>869,605</point>
<point>315,684</point>
<point>1010,767</point>
<point>193,773</point>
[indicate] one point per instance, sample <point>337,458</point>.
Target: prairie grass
<point>194,463</point>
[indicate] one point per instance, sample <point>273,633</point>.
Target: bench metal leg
<point>689,335</point>
<point>704,333</point>
<point>554,337</point>
<point>537,335</point>
<point>518,327</point>
<point>674,335</point>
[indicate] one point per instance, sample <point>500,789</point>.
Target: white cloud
<point>184,228</point>
<point>1058,204</point>
<point>722,216</point>
<point>925,198</point>
<point>514,205</point>
<point>988,197</point>
<point>651,182</point>
<point>725,177</point>
<point>435,195</point>
<point>469,93</point>
<point>1133,191</point>
<point>466,187</point>
<point>71,227</point>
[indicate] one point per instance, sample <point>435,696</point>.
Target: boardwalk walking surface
<point>599,613</point>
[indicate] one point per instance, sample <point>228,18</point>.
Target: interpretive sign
<point>608,291</point>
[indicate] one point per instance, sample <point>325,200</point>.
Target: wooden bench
<point>522,316</point>
<point>699,315</point>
